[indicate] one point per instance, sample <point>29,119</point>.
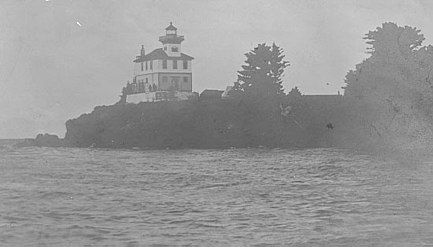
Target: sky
<point>61,58</point>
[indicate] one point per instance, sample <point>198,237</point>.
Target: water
<point>243,197</point>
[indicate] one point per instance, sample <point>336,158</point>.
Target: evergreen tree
<point>260,77</point>
<point>261,93</point>
<point>294,93</point>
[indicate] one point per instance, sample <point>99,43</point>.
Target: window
<point>141,66</point>
<point>147,80</point>
<point>175,82</point>
<point>174,49</point>
<point>151,65</point>
<point>185,64</point>
<point>165,48</point>
<point>164,79</point>
<point>146,65</point>
<point>174,64</point>
<point>164,64</point>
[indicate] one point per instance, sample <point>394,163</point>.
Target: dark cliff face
<point>195,124</point>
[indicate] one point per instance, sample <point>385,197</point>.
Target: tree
<point>260,93</point>
<point>123,95</point>
<point>260,77</point>
<point>294,93</point>
<point>392,89</point>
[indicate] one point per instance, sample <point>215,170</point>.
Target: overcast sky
<point>60,58</point>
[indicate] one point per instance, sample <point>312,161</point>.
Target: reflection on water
<point>325,197</point>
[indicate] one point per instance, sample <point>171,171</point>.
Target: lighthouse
<point>163,74</point>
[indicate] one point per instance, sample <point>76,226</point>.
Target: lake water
<point>239,197</point>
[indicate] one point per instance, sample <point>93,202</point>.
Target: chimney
<point>142,53</point>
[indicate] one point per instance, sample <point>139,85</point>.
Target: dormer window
<point>174,49</point>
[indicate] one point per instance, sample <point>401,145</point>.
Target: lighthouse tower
<point>163,74</point>
<point>171,41</point>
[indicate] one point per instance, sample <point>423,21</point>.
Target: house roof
<point>171,27</point>
<point>211,92</point>
<point>160,54</point>
<point>322,96</point>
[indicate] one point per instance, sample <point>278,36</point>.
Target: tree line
<point>388,97</point>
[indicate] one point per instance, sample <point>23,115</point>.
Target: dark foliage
<point>260,77</point>
<point>295,93</point>
<point>191,124</point>
<point>391,93</point>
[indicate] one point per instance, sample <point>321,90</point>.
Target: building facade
<point>164,72</point>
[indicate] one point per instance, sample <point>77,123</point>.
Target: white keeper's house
<point>163,74</point>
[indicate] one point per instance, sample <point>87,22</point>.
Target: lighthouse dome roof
<point>171,27</point>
